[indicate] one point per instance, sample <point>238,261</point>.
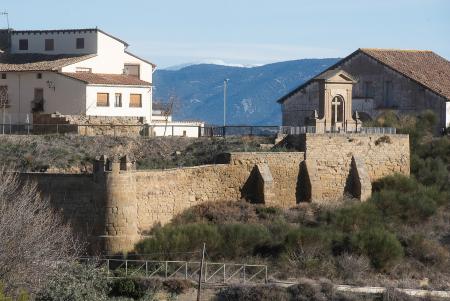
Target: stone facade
<point>379,88</point>
<point>89,125</point>
<point>329,161</point>
<point>116,205</point>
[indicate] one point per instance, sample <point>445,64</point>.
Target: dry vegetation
<point>35,242</point>
<point>69,153</point>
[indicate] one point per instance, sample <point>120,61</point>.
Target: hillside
<point>252,92</point>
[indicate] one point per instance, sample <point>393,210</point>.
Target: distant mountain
<point>252,92</point>
<point>207,62</point>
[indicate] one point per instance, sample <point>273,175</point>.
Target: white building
<point>74,72</point>
<point>164,125</point>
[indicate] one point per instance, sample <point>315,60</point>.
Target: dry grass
<point>72,153</point>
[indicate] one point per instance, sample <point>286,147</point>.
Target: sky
<point>248,32</point>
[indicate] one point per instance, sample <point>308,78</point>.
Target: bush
<point>23,295</point>
<point>176,286</point>
<point>428,251</point>
<point>430,172</point>
<point>382,247</point>
<point>268,212</point>
<point>307,290</point>
<point>127,287</point>
<point>403,199</point>
<point>76,283</point>
<point>397,182</point>
<point>240,240</point>
<point>411,208</point>
<point>309,251</point>
<point>171,239</point>
<point>356,217</point>
<point>251,293</point>
<point>231,241</point>
<point>218,213</point>
<point>352,266</point>
<point>303,239</point>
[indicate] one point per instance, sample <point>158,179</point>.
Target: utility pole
<point>200,274</point>
<point>225,86</point>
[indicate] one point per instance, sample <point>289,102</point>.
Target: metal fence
<point>241,130</point>
<point>216,273</point>
<point>146,130</point>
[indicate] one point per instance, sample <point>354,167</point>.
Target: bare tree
<point>168,108</point>
<point>34,240</point>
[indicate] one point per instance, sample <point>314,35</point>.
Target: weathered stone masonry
<point>115,206</point>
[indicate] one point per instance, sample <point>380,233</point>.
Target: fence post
<point>146,268</point>
<point>172,130</point>
<point>244,272</point>
<point>107,267</point>
<point>266,280</point>
<point>57,128</point>
<point>224,132</point>
<point>166,268</point>
<point>114,128</point>
<point>224,274</point>
<point>126,267</point>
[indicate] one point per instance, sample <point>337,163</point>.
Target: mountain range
<point>251,95</point>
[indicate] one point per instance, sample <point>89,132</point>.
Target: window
<point>102,99</point>
<point>131,69</point>
<point>23,44</point>
<point>3,96</point>
<point>39,75</point>
<point>49,44</point>
<point>368,90</point>
<point>80,43</point>
<point>118,100</point>
<point>387,94</point>
<point>83,69</point>
<point>135,100</point>
<point>3,75</point>
<point>38,101</point>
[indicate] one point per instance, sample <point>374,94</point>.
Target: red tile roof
<point>107,79</point>
<point>425,67</point>
<point>422,66</point>
<point>38,62</point>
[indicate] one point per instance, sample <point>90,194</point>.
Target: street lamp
<point>225,85</point>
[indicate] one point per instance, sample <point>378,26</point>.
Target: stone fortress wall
<point>116,205</point>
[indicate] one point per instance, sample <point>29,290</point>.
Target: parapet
<point>114,164</point>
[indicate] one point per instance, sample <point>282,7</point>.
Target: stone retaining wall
<point>332,154</point>
<point>89,125</point>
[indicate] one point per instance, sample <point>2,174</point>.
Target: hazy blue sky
<point>170,32</point>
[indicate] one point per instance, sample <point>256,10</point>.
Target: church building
<point>402,81</point>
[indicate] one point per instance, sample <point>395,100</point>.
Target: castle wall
<point>117,205</point>
<point>77,197</point>
<point>381,155</point>
<point>163,194</point>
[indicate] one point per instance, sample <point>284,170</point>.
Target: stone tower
<point>120,231</point>
<point>335,103</point>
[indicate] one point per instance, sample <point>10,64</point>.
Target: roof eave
<point>299,88</point>
<point>118,85</point>
<point>139,58</point>
<point>403,74</point>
